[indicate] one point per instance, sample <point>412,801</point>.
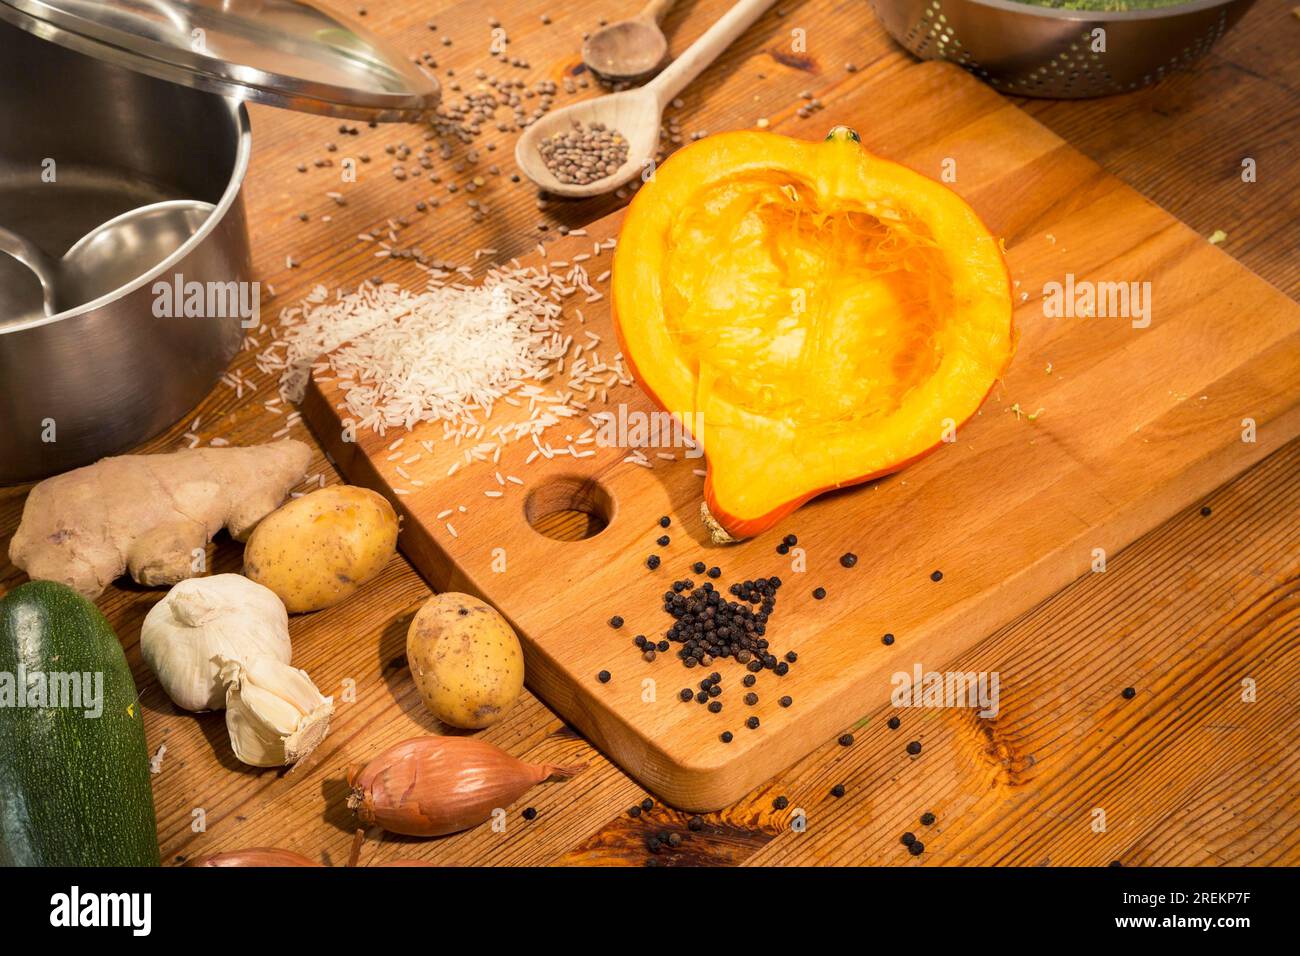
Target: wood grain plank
<point>1180,143</point>
<point>1183,616</point>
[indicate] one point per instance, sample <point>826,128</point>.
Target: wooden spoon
<point>630,50</point>
<point>636,114</point>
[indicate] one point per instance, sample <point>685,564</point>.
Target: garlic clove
<point>274,714</point>
<point>278,715</point>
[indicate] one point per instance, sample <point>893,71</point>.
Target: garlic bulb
<point>201,619</point>
<point>274,713</point>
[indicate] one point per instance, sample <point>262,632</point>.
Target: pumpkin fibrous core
<point>828,315</point>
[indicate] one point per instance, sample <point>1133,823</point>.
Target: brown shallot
<point>257,856</point>
<point>430,786</point>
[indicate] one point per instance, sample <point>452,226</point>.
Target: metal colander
<point>1041,51</point>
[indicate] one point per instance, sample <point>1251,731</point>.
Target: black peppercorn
<point>662,646</point>
<point>782,548</point>
<point>616,622</point>
<point>894,723</point>
<point>665,521</point>
<point>791,656</point>
<point>780,803</point>
<point>927,819</point>
<point>1206,511</point>
<point>702,697</point>
<point>936,576</point>
<point>686,693</point>
<point>848,559</point>
<point>530,813</point>
<point>715,572</point>
<point>698,567</point>
<point>837,791</point>
<point>603,677</point>
<point>1129,693</point>
<point>907,839</point>
<point>726,736</point>
<point>887,639</point>
<point>819,593</point>
<point>663,541</point>
<point>749,680</point>
<point>786,701</point>
<point>751,698</point>
<point>790,541</point>
<point>914,747</point>
<point>633,811</point>
<point>696,823</point>
<point>752,723</point>
<point>647,804</point>
<point>846,740</point>
<point>715,706</point>
<point>916,849</point>
<point>652,562</point>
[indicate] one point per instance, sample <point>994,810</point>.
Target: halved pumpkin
<point>827,315</point>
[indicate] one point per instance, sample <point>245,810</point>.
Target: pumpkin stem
<point>843,133</point>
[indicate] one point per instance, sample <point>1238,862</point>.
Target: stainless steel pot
<point>107,105</point>
<point>81,141</point>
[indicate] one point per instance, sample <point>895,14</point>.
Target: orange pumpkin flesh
<point>827,315</point>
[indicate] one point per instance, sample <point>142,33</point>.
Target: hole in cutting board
<point>569,508</point>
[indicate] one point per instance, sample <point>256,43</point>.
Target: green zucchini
<point>74,771</point>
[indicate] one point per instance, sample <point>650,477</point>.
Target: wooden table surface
<point>1194,770</point>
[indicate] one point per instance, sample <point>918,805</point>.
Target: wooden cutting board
<point>1099,431</point>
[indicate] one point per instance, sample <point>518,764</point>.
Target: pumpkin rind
<point>829,315</point>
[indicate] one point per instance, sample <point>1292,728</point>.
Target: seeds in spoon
<point>584,154</point>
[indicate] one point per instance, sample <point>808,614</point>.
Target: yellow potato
<point>317,550</point>
<point>466,660</point>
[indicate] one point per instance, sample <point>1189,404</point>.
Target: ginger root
<point>149,514</point>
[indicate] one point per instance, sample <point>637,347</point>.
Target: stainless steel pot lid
<point>279,52</point>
